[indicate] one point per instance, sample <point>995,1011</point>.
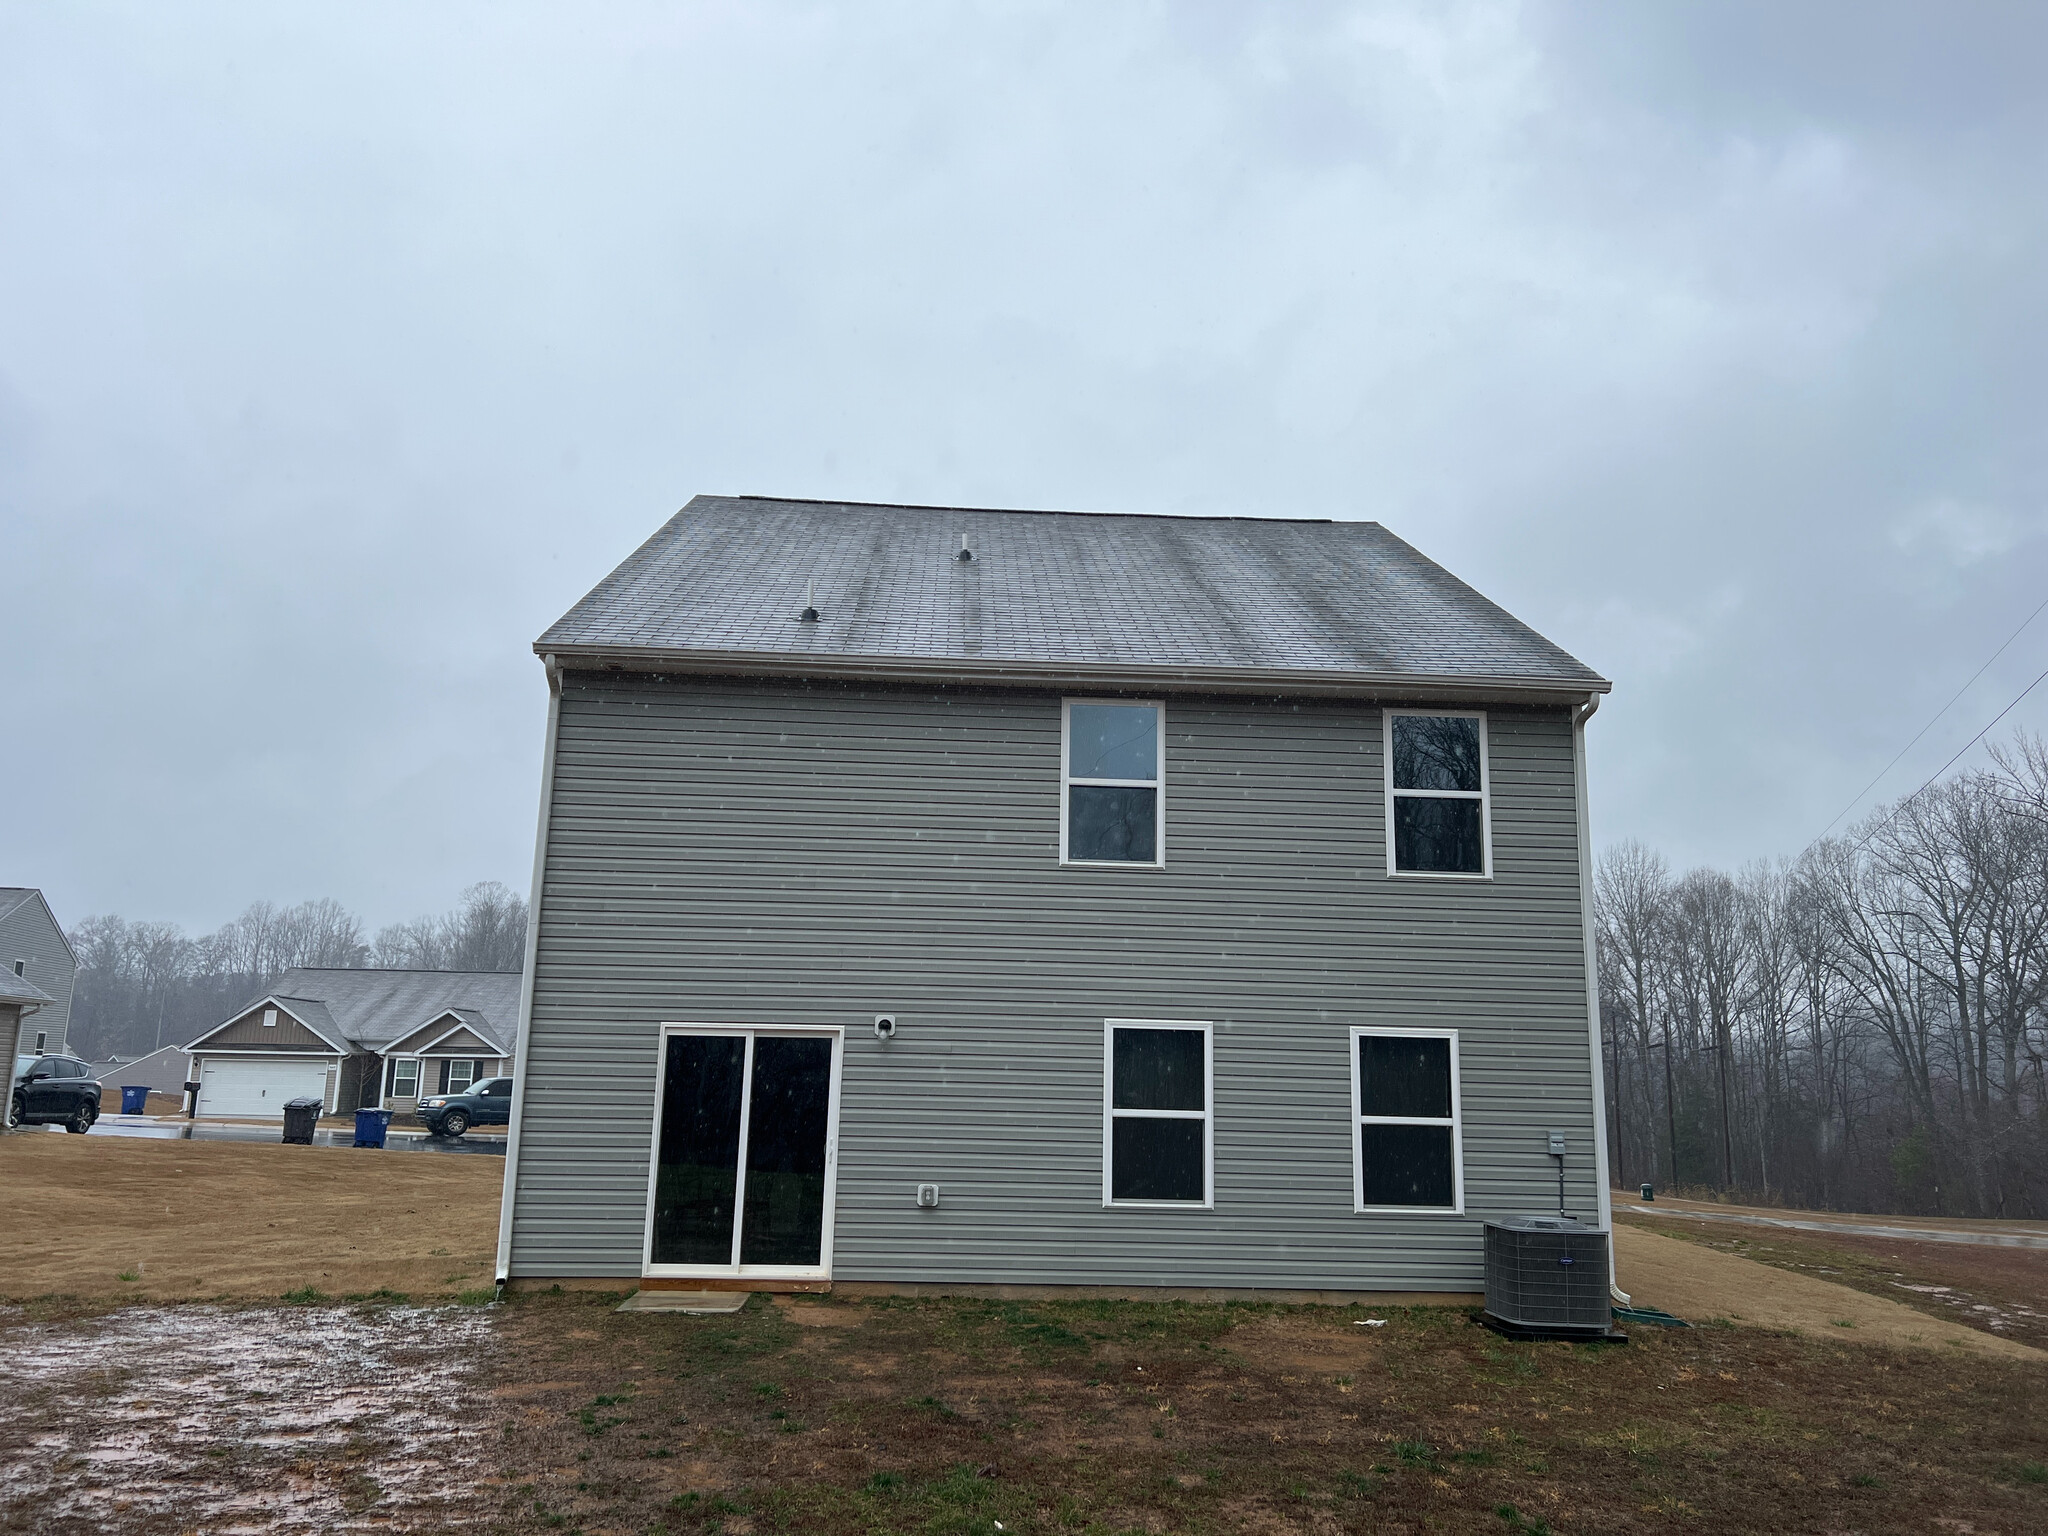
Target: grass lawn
<point>952,1416</point>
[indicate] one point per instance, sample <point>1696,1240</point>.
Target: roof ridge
<point>390,970</point>
<point>927,506</point>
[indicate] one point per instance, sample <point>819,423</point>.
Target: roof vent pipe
<point>965,552</point>
<point>810,613</point>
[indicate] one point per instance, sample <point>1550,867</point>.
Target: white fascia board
<point>273,1001</point>
<point>1268,681</point>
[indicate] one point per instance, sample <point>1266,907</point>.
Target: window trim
<point>1359,1120</point>
<point>1484,795</point>
<point>1156,784</point>
<point>398,1075</point>
<point>836,1034</point>
<point>1207,1116</point>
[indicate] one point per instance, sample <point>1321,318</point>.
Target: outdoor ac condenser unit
<point>1546,1277</point>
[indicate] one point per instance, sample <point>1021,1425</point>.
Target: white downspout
<point>1596,1059</point>
<point>519,1055</point>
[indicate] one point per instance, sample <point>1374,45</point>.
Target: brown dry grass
<point>951,1415</point>
<point>1699,1282</point>
<point>204,1219</point>
<point>2000,1292</point>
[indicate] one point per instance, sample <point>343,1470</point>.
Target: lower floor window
<point>405,1080</point>
<point>1404,1087</point>
<point>460,1075</point>
<point>1157,1121</point>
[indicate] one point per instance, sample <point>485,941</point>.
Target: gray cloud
<point>350,347</point>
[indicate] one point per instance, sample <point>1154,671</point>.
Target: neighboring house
<point>161,1071</point>
<point>21,1002</point>
<point>952,898</point>
<point>357,1039</point>
<point>34,948</point>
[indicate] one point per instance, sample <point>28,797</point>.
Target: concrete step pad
<point>684,1301</point>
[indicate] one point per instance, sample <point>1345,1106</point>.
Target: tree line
<point>145,984</point>
<point>1861,1028</point>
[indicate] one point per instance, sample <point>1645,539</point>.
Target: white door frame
<point>326,1064</point>
<point>834,1033</point>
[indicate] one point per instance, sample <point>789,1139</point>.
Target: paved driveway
<point>206,1130</point>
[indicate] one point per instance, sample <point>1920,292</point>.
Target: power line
<point>1888,767</point>
<point>1944,768</point>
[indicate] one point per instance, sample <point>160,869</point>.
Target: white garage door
<point>231,1087</point>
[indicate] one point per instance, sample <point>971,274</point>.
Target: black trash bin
<point>300,1116</point>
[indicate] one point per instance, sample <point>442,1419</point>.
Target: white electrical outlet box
<point>928,1196</point>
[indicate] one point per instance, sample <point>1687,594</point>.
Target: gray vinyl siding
<point>763,854</point>
<point>30,933</point>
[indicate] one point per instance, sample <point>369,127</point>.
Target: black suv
<point>54,1090</point>
<point>486,1103</point>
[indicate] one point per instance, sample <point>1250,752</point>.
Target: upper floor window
<point>1112,784</point>
<point>1438,821</point>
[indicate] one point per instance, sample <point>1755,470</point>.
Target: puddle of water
<point>277,1420</point>
<point>201,1130</point>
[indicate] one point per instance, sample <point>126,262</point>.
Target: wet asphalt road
<point>190,1130</point>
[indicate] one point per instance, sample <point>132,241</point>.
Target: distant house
<point>161,1071</point>
<point>953,897</point>
<point>357,1039</point>
<point>33,948</point>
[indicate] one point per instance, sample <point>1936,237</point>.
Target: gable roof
<point>14,897</point>
<point>435,1031</point>
<point>309,1011</point>
<point>371,1008</point>
<point>1200,602</point>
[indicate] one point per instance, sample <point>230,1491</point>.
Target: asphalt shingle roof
<point>727,575</point>
<point>14,989</point>
<point>373,1008</point>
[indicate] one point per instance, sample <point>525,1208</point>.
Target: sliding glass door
<point>744,1152</point>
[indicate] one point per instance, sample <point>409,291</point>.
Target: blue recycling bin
<point>371,1124</point>
<point>134,1098</point>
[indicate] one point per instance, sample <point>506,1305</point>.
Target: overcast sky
<point>343,348</point>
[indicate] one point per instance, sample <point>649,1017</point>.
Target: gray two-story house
<point>946,898</point>
<point>35,952</point>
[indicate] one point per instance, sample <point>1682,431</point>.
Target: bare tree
<point>1866,1026</point>
<point>142,984</point>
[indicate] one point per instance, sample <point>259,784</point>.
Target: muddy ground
<point>557,1414</point>
<point>190,1220</point>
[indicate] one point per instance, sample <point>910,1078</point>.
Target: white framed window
<point>1439,801</point>
<point>1158,1125</point>
<point>405,1079</point>
<point>460,1075</point>
<point>743,1165</point>
<point>270,1018</point>
<point>42,1041</point>
<point>1407,1137</point>
<point>1113,782</point>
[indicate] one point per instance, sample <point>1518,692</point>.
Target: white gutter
<point>1596,1058</point>
<point>540,851</point>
